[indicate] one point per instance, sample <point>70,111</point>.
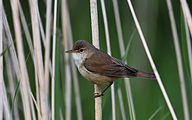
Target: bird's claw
<point>98,95</point>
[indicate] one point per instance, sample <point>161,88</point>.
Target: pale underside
<point>99,79</point>
<point>92,77</point>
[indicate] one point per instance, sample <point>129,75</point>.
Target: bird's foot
<point>98,95</point>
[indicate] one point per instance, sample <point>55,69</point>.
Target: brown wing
<point>103,64</point>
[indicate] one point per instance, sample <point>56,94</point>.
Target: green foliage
<point>16,91</point>
<point>7,48</point>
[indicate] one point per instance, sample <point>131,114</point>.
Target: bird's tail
<point>144,74</point>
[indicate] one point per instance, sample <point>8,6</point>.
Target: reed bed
<point>39,81</point>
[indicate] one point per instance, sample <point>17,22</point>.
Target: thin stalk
<point>60,113</point>
<point>38,59</point>
<point>126,80</point>
<point>95,41</point>
<point>151,61</point>
<point>119,29</point>
<point>130,99</point>
<point>29,41</point>
<point>163,117</point>
<point>41,28</point>
<point>1,60</point>
<point>67,62</point>
<point>109,52</point>
<point>7,111</point>
<point>179,60</point>
<point>12,47</point>
<point>31,101</point>
<point>15,63</point>
<point>37,92</point>
<point>121,104</point>
<point>106,27</point>
<point>12,66</point>
<point>53,62</point>
<point>44,40</point>
<point>26,30</point>
<point>36,105</point>
<point>47,46</point>
<point>187,13</point>
<point>188,47</point>
<point>74,71</point>
<point>155,113</point>
<point>10,75</point>
<point>94,23</point>
<point>22,65</point>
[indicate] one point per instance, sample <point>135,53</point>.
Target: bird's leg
<point>101,94</point>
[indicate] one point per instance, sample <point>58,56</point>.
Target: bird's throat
<point>78,59</point>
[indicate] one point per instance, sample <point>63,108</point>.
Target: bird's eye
<point>81,50</point>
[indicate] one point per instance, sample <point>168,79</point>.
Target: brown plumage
<point>100,68</point>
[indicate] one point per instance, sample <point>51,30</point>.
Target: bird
<point>100,68</point>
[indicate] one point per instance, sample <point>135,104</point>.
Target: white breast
<point>78,59</point>
<point>94,78</point>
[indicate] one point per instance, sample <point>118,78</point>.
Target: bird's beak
<point>69,51</point>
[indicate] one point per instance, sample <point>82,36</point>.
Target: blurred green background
<point>155,23</point>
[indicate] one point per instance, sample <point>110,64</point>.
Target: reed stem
<point>95,41</point>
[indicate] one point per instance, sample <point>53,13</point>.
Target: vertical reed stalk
<point>26,31</point>
<point>22,65</point>
<point>53,62</point>
<point>187,14</point>
<point>29,41</point>
<point>38,59</point>
<point>11,84</point>
<point>1,60</point>
<point>10,66</point>
<point>118,25</point>
<point>121,104</point>
<point>37,92</point>
<point>74,70</point>
<point>179,60</point>
<point>188,47</point>
<point>47,46</point>
<point>67,62</point>
<point>130,99</point>
<point>95,41</point>
<point>126,80</point>
<point>7,112</point>
<point>109,52</point>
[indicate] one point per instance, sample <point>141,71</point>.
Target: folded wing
<point>103,64</point>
